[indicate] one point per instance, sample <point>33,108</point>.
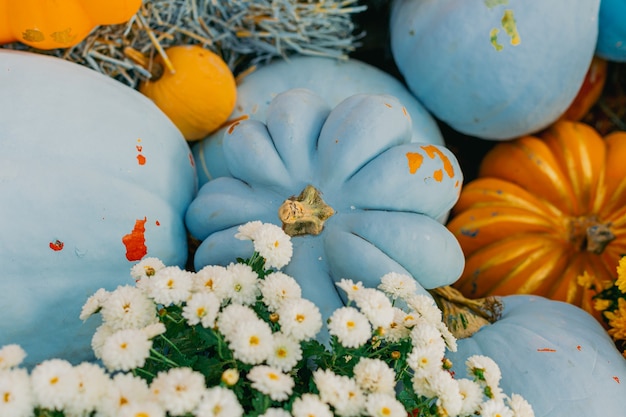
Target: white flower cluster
<point>421,322</point>
<point>223,299</point>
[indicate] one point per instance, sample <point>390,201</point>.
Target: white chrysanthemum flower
<point>495,408</point>
<point>472,395</point>
<point>384,405</point>
<point>427,334</point>
<point>230,376</point>
<point>376,306</point>
<point>374,375</point>
<point>153,330</point>
<point>178,390</point>
<point>341,392</point>
<point>396,330</point>
<point>93,304</point>
<point>142,409</point>
<point>350,287</point>
<point>125,350</point>
<point>450,400</point>
<point>229,318</point>
<point>252,342</point>
<point>398,285</point>
<point>145,269</point>
<point>249,230</point>
<point>411,319</point>
<point>202,308</point>
<point>310,405</point>
<point>244,284</point>
<point>125,389</point>
<point>128,308</point>
<point>272,382</point>
<point>448,338</point>
<point>55,384</point>
<point>425,359</point>
<point>11,356</point>
<point>519,406</point>
<point>219,402</point>
<point>350,326</point>
<point>214,279</point>
<point>425,306</point>
<point>275,412</point>
<point>170,285</point>
<point>102,333</point>
<point>93,385</point>
<point>278,287</point>
<point>484,369</point>
<point>274,245</point>
<point>16,394</point>
<point>286,352</point>
<point>300,319</point>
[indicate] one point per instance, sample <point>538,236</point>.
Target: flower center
<point>272,376</point>
<point>350,324</point>
<point>254,341</point>
<point>300,318</point>
<point>6,397</point>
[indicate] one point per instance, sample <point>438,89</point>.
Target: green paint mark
<point>493,38</point>
<point>494,3</point>
<point>510,27</point>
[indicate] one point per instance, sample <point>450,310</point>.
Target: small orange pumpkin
<point>195,88</point>
<point>590,91</point>
<point>46,24</point>
<point>543,211</point>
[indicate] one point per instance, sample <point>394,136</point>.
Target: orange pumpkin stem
<point>587,233</point>
<point>304,214</point>
<point>465,316</point>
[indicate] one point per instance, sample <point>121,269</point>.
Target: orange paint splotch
<point>616,379</point>
<point>415,161</point>
<point>141,159</point>
<point>57,245</point>
<point>579,348</point>
<point>438,175</point>
<point>191,160</point>
<point>434,152</point>
<point>546,350</point>
<point>135,241</point>
<point>233,123</point>
<point>157,223</point>
<point>388,105</point>
<point>406,113</point>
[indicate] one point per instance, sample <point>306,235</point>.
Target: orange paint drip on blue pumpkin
<point>57,245</point>
<point>135,241</point>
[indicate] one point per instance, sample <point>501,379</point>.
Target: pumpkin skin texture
<point>589,92</point>
<point>199,95</point>
<point>332,79</point>
<point>612,30</point>
<point>558,357</point>
<point>93,177</point>
<point>46,24</point>
<point>386,193</point>
<point>494,69</point>
<point>543,210</point>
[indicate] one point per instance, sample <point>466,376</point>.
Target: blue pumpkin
<point>556,355</point>
<point>386,192</point>
<point>612,30</point>
<point>332,79</point>
<point>494,69</point>
<point>93,176</point>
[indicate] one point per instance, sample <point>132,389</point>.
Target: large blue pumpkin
<point>556,355</point>
<point>612,30</point>
<point>387,193</point>
<point>494,69</point>
<point>332,79</point>
<point>92,178</point>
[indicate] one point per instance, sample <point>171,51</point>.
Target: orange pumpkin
<point>543,211</point>
<point>195,88</point>
<point>51,24</point>
<point>590,91</point>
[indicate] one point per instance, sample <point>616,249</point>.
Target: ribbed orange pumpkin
<point>543,210</point>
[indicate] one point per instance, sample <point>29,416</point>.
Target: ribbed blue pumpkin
<point>92,177</point>
<point>491,68</point>
<point>386,192</point>
<point>332,79</point>
<point>612,30</point>
<point>557,356</point>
